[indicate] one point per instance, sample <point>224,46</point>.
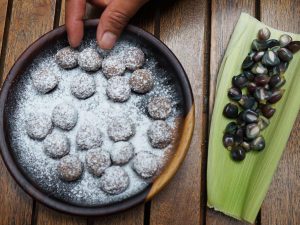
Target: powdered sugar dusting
<point>97,110</point>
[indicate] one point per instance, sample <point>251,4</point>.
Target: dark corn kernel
<point>285,40</point>
<point>259,68</point>
<point>276,96</point>
<point>285,54</point>
<point>239,136</point>
<point>261,80</point>
<point>235,93</point>
<point>251,87</point>
<point>264,34</point>
<point>238,154</point>
<point>272,43</point>
<point>239,81</point>
<point>270,59</point>
<point>259,45</point>
<point>276,81</point>
<point>247,63</point>
<point>231,128</point>
<point>262,94</point>
<point>250,116</point>
<point>246,146</point>
<point>228,141</point>
<point>231,111</point>
<point>258,144</point>
<point>263,123</point>
<point>247,102</point>
<point>294,46</point>
<point>252,131</point>
<point>267,110</point>
<point>250,76</point>
<point>258,56</point>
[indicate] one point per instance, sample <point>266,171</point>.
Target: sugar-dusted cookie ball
<point>114,181</point>
<point>64,116</point>
<point>145,164</point>
<point>70,168</point>
<point>118,89</point>
<point>83,86</point>
<point>97,161</point>
<point>38,125</point>
<point>160,134</point>
<point>56,145</point>
<point>121,129</point>
<point>67,58</point>
<point>88,137</point>
<point>113,66</point>
<point>141,81</point>
<point>159,107</point>
<point>44,81</point>
<point>89,60</point>
<point>134,58</point>
<point>121,152</point>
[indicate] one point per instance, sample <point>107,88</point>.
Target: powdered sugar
<point>97,110</point>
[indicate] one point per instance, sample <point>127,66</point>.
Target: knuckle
<point>118,19</point>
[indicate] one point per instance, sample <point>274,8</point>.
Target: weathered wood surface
<point>198,33</point>
<point>283,200</point>
<point>182,28</point>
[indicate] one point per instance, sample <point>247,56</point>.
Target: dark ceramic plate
<point>166,59</point>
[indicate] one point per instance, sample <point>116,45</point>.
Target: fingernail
<point>108,40</point>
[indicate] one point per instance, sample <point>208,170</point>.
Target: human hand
<point>114,18</point>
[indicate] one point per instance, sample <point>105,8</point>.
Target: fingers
<point>113,20</point>
<point>75,10</point>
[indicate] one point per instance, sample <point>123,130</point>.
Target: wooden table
<point>197,31</point>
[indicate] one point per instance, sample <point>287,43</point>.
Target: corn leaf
<point>238,188</point>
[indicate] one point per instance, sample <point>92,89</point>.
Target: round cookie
<point>145,164</point>
<point>70,168</point>
<point>44,81</point>
<point>121,129</point>
<point>67,58</point>
<point>159,107</point>
<point>118,89</point>
<point>113,66</point>
<point>56,145</point>
<point>121,152</point>
<point>64,116</point>
<point>38,125</point>
<point>134,58</point>
<point>97,161</point>
<point>88,137</point>
<point>89,60</point>
<point>160,134</point>
<point>83,86</point>
<point>141,81</point>
<point>114,180</point>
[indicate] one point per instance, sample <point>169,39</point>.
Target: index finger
<point>75,10</point>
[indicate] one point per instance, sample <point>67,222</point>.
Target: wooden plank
<point>182,28</point>
<point>225,14</point>
<point>134,216</point>
<point>62,12</point>
<point>281,205</point>
<point>29,20</point>
<point>51,217</point>
<point>3,8</point>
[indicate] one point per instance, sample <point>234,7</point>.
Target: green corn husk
<point>238,188</point>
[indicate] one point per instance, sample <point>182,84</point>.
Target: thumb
<point>113,20</point>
